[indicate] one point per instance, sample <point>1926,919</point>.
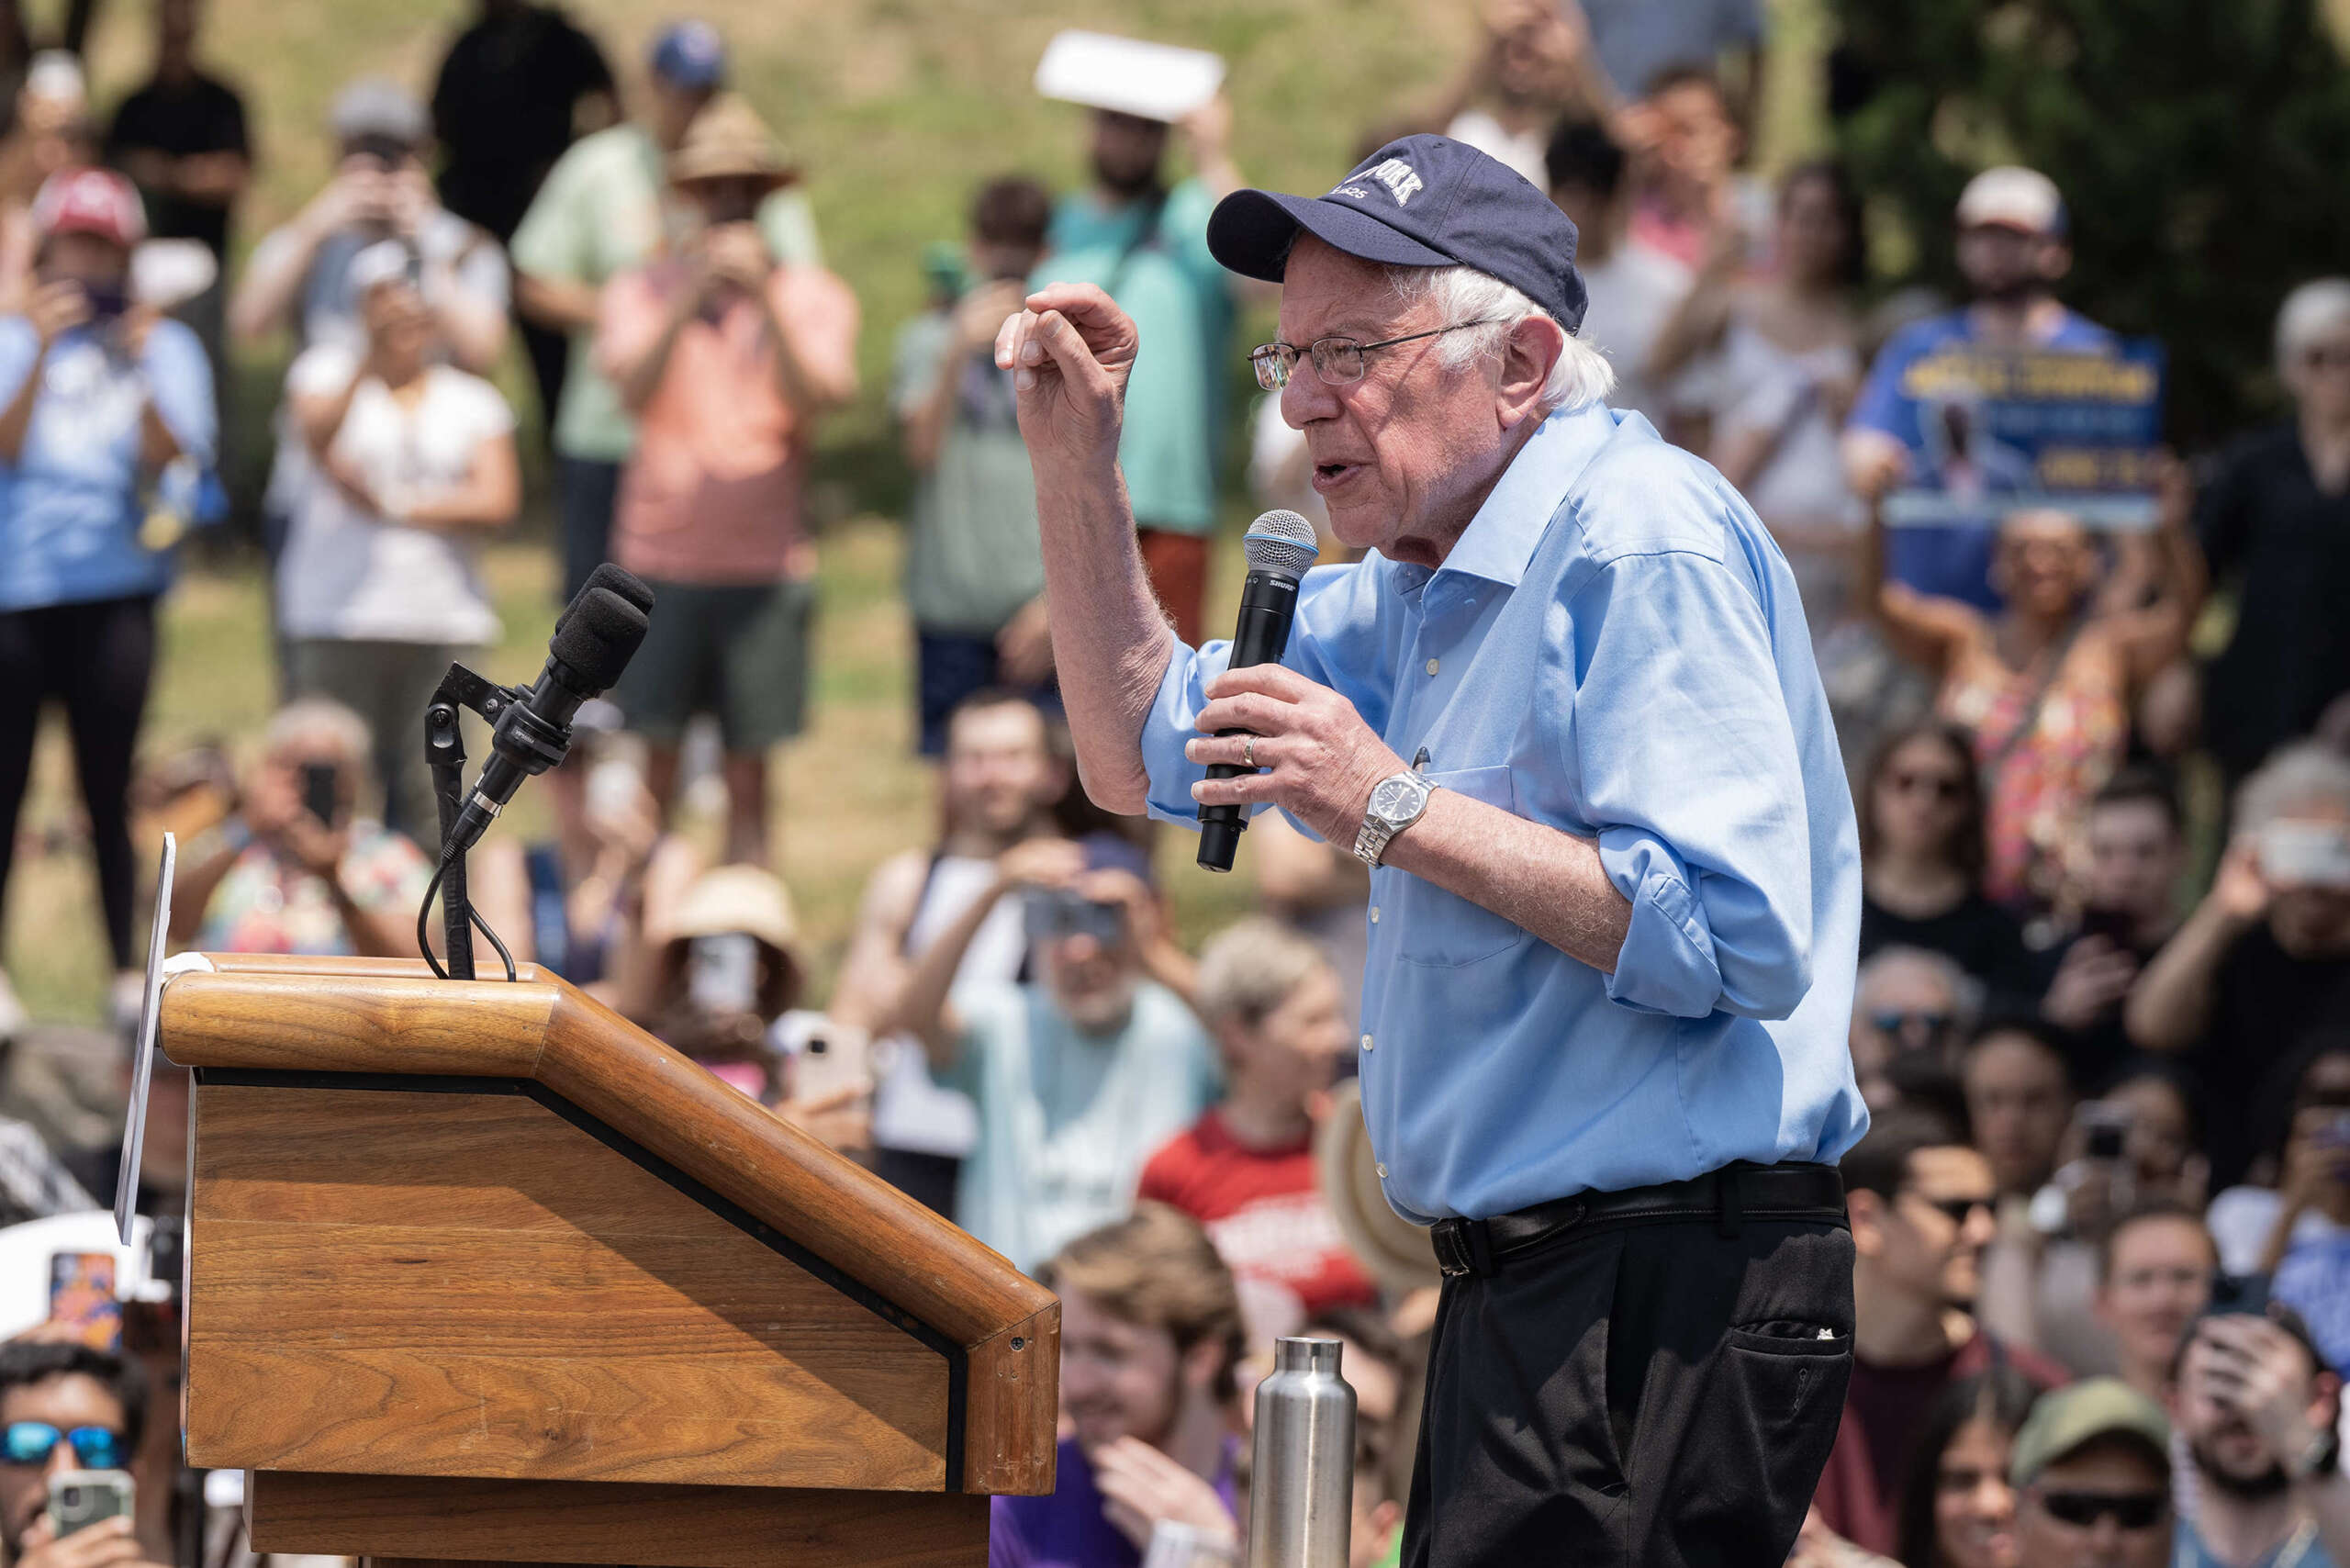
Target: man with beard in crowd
<point>2258,1405</point>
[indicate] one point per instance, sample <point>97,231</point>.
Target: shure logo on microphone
<point>1402,182</point>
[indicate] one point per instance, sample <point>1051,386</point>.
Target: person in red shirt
<point>1920,1199</point>
<point>1245,1169</point>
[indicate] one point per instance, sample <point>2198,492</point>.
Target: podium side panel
<point>392,1517</point>
<point>467,1283</point>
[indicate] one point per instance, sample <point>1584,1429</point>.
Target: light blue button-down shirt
<point>1614,648</point>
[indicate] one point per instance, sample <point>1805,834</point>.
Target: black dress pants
<point>1659,1391</point>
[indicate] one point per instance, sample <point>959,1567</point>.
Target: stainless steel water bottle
<point>1302,1495</point>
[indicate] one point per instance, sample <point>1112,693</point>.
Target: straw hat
<point>727,141</point>
<point>728,898</point>
<point>1396,1251</point>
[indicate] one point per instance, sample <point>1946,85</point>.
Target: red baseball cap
<point>90,201</point>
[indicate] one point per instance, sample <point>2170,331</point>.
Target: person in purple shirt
<point>2012,248</point>
<point>1150,1334</point>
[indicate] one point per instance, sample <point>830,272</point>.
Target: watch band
<point>1376,833</point>
<point>1372,840</point>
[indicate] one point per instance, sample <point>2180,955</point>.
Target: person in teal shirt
<point>1143,242</point>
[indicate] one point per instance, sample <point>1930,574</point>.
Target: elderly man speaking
<point>1616,892</point>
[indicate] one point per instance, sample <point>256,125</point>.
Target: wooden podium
<point>479,1270</point>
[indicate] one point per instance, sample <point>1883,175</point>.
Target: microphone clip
<point>503,708</point>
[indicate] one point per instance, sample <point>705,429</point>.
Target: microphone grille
<point>1281,542</point>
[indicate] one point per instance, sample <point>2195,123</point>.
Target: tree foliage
<point>2203,148</point>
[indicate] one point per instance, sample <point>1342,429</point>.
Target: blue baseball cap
<point>691,55</point>
<point>1423,201</point>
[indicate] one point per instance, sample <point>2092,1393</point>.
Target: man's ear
<point>2325,1406</point>
<point>2055,260</point>
<point>1528,353</point>
<point>1864,1211</point>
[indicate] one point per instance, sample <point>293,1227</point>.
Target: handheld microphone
<point>1280,546</point>
<point>594,639</point>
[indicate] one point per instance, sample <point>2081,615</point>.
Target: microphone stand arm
<point>444,753</point>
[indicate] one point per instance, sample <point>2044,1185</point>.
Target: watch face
<point>1394,798</point>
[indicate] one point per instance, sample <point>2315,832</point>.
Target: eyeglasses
<point>1337,361</point>
<point>31,1442</point>
<point>1899,1021</point>
<point>1958,1210</point>
<point>1944,786</point>
<point>2130,1510</point>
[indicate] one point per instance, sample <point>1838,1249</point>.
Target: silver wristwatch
<point>1396,803</point>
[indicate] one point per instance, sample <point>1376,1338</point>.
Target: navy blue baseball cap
<point>689,54</point>
<point>1425,201</point>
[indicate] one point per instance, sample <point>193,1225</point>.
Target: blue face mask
<point>31,1442</point>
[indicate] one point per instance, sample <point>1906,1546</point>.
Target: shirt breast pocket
<point>1442,930</point>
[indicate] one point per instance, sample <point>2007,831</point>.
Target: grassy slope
<point>897,109</point>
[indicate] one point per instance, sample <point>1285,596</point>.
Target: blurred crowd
<point>2102,775</point>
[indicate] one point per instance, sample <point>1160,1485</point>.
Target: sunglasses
<point>2130,1510</point>
<point>31,1442</point>
<point>1897,1022</point>
<point>1943,785</point>
<point>1958,1210</point>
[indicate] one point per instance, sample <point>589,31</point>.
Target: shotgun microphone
<point>1280,546</point>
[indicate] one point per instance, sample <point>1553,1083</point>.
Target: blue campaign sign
<point>1998,430</point>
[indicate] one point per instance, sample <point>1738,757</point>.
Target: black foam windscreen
<point>621,581</point>
<point>596,641</point>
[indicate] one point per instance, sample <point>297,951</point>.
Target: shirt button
<point>1382,1171</point>
<point>1374,914</point>
<point>1366,1042</point>
<point>1431,667</point>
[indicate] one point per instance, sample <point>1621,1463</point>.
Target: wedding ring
<point>1248,754</point>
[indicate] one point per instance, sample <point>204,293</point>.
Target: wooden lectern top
<point>334,1193</point>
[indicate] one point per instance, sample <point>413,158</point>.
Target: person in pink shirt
<point>727,359</point>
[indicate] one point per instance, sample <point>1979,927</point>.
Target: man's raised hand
<point>1069,352</point>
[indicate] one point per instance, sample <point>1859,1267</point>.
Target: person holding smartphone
<point>97,396</point>
<point>304,866</point>
<point>68,1407</point>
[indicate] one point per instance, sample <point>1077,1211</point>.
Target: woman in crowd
<point>1957,1509</point>
<point>1922,818</point>
<point>2046,686</point>
<point>380,588</point>
<point>97,398</point>
<point>2258,1227</point>
<point>1771,363</point>
<point>304,867</point>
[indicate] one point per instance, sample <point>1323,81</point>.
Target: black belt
<point>1789,1190</point>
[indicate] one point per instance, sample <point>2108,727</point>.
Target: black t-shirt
<point>202,115</point>
<point>502,110</point>
<point>1976,935</point>
<point>2263,520</point>
<point>2265,1005</point>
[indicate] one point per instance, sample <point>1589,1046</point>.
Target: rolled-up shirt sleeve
<point>1688,768</point>
<point>1336,641</point>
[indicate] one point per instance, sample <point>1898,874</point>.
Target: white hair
<point>1966,992</point>
<point>1582,373</point>
<point>2305,774</point>
<point>319,719</point>
<point>2316,308</point>
<point>1249,969</point>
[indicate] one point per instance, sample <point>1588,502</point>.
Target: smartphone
<point>319,791</point>
<point>723,972</point>
<point>80,1498</point>
<point>613,786</point>
<point>2105,1129</point>
<point>830,1057</point>
<point>105,302</point>
<point>1054,912</point>
<point>2238,1293</point>
<point>2306,854</point>
<point>2115,926</point>
<point>82,1296</point>
<point>2334,1133</point>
